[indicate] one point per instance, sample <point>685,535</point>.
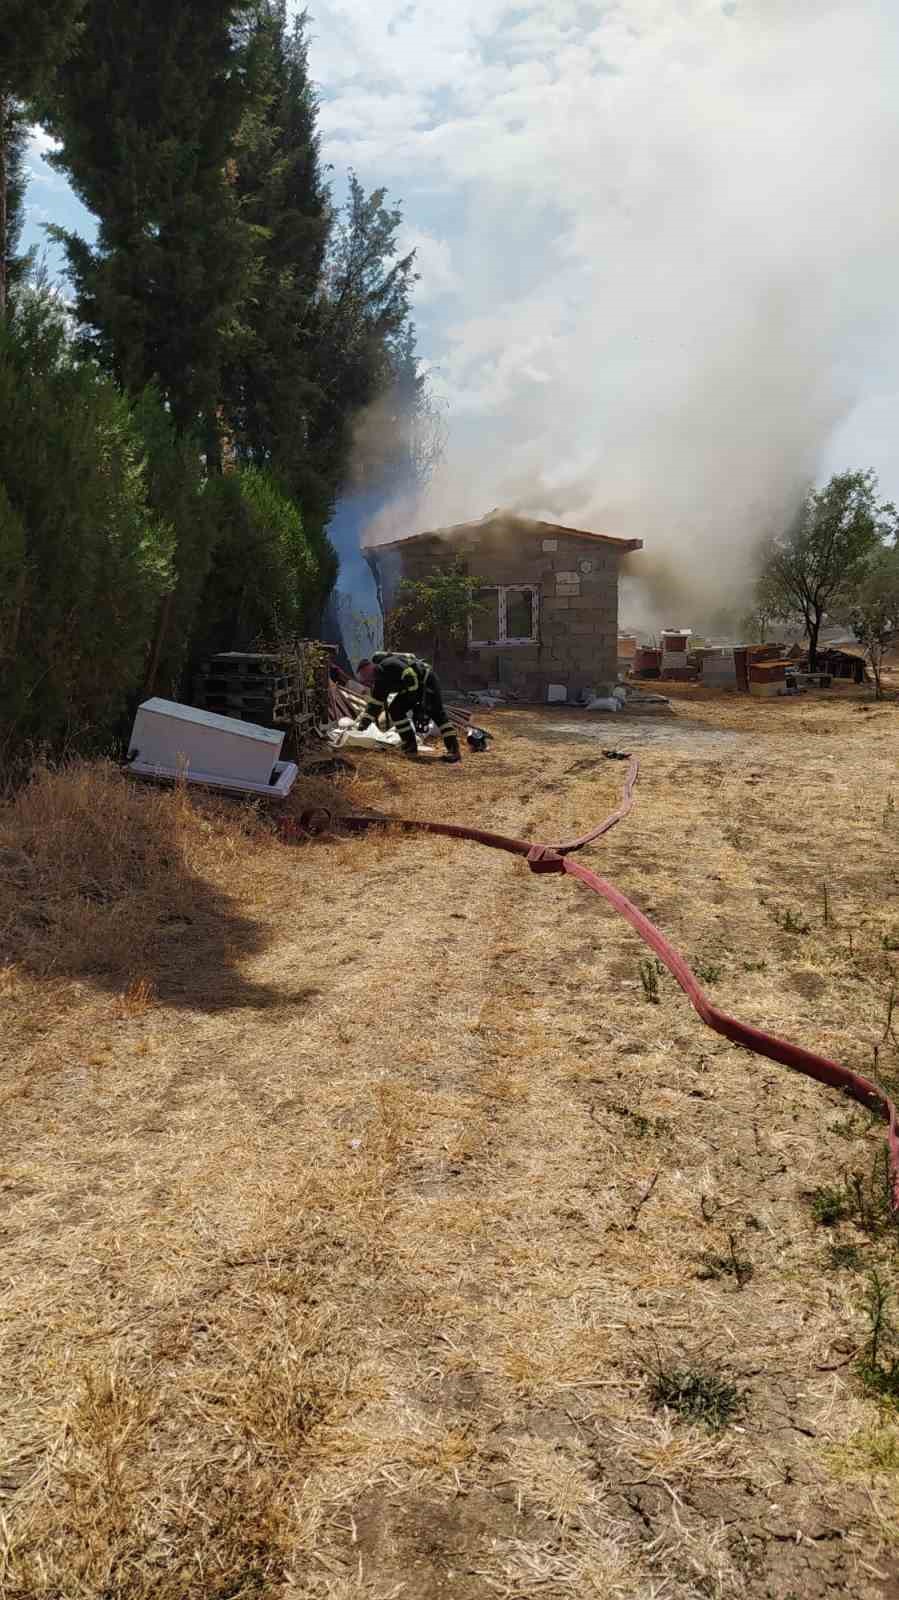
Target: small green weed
<point>875,1450</point>
<point>643,1127</point>
<point>844,1258</point>
<point>829,1206</point>
<point>650,972</point>
<point>890,941</point>
<point>891,1007</point>
<point>707,972</point>
<point>792,921</point>
<point>863,1199</point>
<point>878,1364</point>
<point>889,811</point>
<point>726,1266</point>
<point>697,1394</point>
<point>755,966</point>
<point>852,1126</point>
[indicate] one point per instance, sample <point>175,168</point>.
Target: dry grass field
<point>374,1225</point>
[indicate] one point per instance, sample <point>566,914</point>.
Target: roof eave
<point>625,546</point>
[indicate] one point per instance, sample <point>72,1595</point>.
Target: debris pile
<point>626,697</point>
<point>347,701</point>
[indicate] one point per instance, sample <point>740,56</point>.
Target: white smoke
<point>675,276</point>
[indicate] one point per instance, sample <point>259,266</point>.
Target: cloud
<point>39,141</point>
<point>438,277</point>
<point>50,180</point>
<point>668,284</point>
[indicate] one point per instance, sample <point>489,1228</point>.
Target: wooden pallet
<point>233,663</point>
<point>206,699</point>
<point>233,683</point>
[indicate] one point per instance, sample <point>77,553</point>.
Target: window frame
<point>502,591</point>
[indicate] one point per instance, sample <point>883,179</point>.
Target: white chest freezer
<point>172,739</point>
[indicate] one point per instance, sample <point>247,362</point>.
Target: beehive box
<point>768,677</point>
<point>172,738</point>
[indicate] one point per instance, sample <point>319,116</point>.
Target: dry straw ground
<point>360,1206</point>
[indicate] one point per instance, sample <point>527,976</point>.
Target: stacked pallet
<point>271,689</point>
<point>252,688</point>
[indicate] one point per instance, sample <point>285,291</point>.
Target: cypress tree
<point>15,267</point>
<point>178,492</point>
<point>83,560</point>
<point>34,38</point>
<point>284,198</point>
<point>268,387</point>
<point>147,106</point>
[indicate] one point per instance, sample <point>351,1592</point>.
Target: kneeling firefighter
<point>416,693</point>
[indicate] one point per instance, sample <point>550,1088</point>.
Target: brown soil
<point>354,1195</point>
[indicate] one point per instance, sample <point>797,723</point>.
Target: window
<point>505,615</point>
<point>483,622</point>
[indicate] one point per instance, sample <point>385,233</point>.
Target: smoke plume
<point>674,279</point>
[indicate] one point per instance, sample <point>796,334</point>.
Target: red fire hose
<point>555,858</point>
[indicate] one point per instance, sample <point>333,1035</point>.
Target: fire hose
<point>557,858</point>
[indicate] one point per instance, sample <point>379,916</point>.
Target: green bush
<point>264,578</point>
<point>84,560</point>
<point>178,492</point>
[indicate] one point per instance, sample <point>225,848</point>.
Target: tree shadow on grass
<point>121,885</point>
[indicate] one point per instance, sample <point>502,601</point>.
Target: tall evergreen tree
<point>268,389</point>
<point>285,199</point>
<point>15,267</point>
<point>83,560</point>
<point>147,106</point>
<point>178,493</point>
<point>34,38</point>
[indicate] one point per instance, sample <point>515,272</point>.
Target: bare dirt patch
<point>344,1246</point>
<point>682,732</point>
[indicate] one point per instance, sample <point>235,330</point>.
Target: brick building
<point>548,610</point>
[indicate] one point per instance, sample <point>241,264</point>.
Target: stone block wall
<point>577,580</point>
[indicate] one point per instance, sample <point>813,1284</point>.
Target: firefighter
<point>415,690</point>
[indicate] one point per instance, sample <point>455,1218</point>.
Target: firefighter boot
<point>452,748</point>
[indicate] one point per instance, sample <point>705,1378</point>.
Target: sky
<point>658,244</point>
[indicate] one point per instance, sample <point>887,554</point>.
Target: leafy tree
<point>34,38</point>
<point>147,106</point>
<point>83,561</point>
<point>807,571</point>
<point>437,607</point>
<point>874,611</point>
